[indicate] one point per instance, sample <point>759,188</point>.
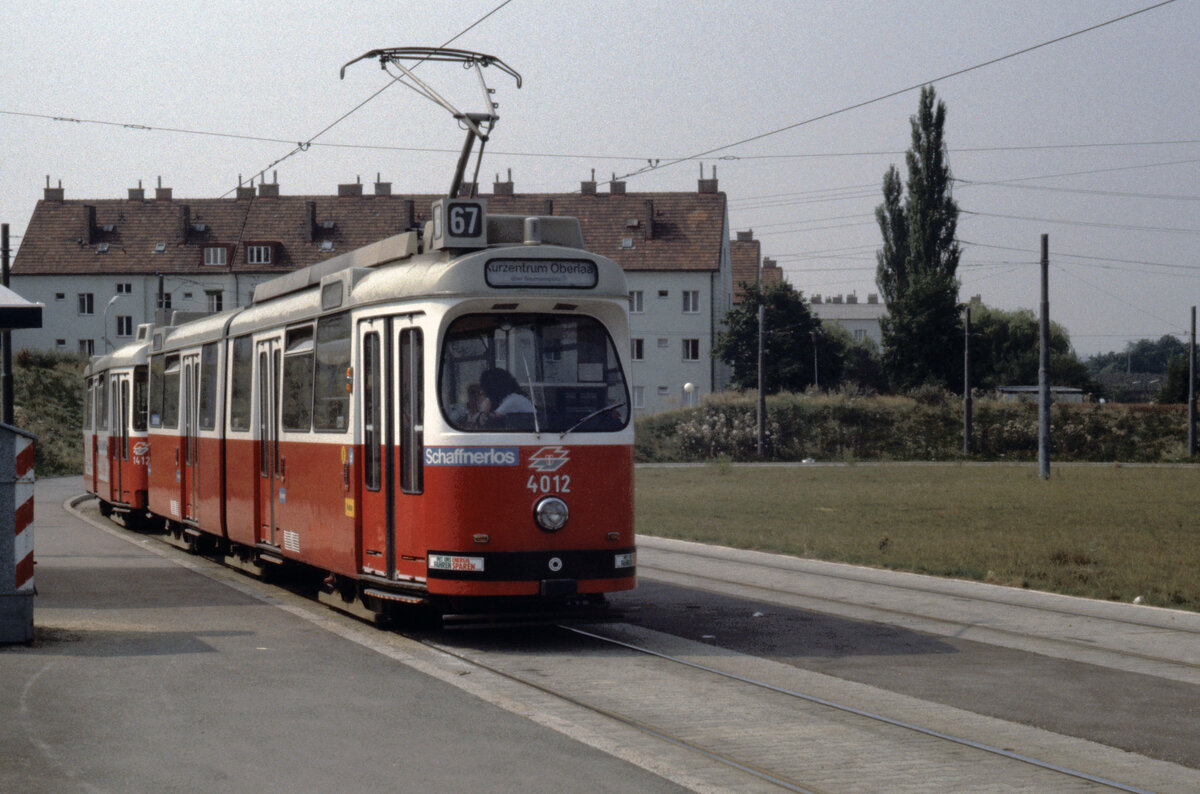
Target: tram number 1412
<point>557,483</point>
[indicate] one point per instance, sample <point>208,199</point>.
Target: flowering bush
<point>851,426</point>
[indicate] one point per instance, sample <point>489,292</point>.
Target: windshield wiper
<point>592,415</point>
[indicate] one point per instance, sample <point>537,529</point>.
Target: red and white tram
<point>116,452</point>
<point>435,418</point>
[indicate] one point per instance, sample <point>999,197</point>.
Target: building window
<point>215,301</point>
<point>164,300</point>
<point>691,301</point>
<point>627,243</point>
<point>124,325</point>
<point>60,296</point>
<point>691,349</point>
<point>663,343</point>
<point>639,397</point>
<point>86,305</point>
<point>638,349</point>
<point>214,255</point>
<point>664,391</point>
<point>860,335</point>
<point>60,344</point>
<point>258,254</point>
<point>636,301</point>
<point>662,293</point>
<point>87,347</point>
<point>124,288</point>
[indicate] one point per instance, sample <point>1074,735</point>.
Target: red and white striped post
<point>16,534</point>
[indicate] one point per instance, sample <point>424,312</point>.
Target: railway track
<point>714,719</point>
<point>755,731</point>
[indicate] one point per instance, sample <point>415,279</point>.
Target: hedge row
<point>928,426</point>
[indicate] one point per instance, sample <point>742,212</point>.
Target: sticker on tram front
<point>472,456</point>
<point>452,562</point>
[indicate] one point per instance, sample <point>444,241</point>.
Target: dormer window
<point>327,245</point>
<point>215,256</point>
<point>627,242</point>
<point>102,248</point>
<point>107,228</point>
<point>258,254</point>
<point>160,248</point>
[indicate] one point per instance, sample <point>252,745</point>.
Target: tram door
<point>189,453</point>
<point>118,442</point>
<point>391,408</point>
<point>102,455</point>
<point>269,364</point>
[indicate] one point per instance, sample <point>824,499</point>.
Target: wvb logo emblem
<point>548,459</point>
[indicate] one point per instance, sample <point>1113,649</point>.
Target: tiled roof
<point>640,231</point>
<point>744,254</point>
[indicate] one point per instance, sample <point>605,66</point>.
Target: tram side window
<point>331,400</point>
<point>412,410</point>
<point>208,386</point>
<point>164,391</point>
<point>241,378</point>
<point>372,412</point>
<point>102,413</point>
<point>298,379</point>
<point>88,406</point>
<point>140,389</point>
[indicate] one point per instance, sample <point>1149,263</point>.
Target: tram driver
<point>510,409</point>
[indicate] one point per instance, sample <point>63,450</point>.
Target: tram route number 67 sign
<point>459,223</point>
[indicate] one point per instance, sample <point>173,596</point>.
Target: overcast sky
<point>1094,140</point>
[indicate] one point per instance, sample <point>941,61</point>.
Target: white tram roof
<point>129,355</point>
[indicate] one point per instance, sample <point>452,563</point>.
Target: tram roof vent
<point>556,230</point>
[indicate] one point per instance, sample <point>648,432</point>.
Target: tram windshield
<point>548,373</point>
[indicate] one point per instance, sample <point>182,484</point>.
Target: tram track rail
<point>1048,775</point>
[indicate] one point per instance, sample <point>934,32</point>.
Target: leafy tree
<point>861,366</point>
<point>1175,390</point>
<point>790,334</point>
<point>1005,351</point>
<point>1143,356</point>
<point>918,263</point>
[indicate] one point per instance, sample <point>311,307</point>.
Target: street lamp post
<point>111,301</point>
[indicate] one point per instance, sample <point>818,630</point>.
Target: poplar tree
<point>918,263</point>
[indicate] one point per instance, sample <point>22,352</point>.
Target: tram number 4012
<point>558,483</point>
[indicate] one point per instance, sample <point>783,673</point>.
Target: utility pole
<point>1044,367</point>
<point>1192,389</point>
<point>6,372</point>
<point>967,382</point>
<point>762,394</point>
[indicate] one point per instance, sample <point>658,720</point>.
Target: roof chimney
<point>503,188</point>
<point>350,190</point>
<point>746,236</point>
<point>136,193</point>
<point>707,185</point>
<point>616,187</point>
<point>589,188</point>
<point>244,193</point>
<point>162,193</point>
<point>382,188</point>
<point>53,193</point>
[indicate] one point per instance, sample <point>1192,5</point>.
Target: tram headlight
<point>551,514</point>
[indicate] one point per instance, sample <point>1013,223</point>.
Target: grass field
<point>1103,531</point>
